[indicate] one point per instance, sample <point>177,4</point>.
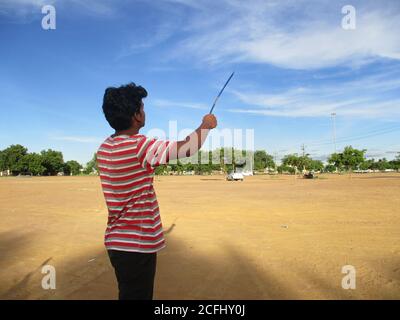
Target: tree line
<point>348,160</point>
<point>17,160</point>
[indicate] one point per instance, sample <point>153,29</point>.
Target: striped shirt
<point>126,166</point>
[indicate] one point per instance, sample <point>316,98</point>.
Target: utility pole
<point>233,160</point>
<point>303,148</point>
<point>333,114</point>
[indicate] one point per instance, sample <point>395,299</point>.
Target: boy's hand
<point>209,121</point>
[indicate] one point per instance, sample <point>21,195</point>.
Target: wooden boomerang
<point>219,94</point>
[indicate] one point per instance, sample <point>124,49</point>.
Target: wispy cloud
<point>169,103</point>
<point>302,34</point>
<point>289,34</point>
<point>77,139</point>
<point>25,11</point>
<point>371,96</point>
<point>98,7</point>
<point>26,3</point>
<point>160,34</point>
<point>22,11</point>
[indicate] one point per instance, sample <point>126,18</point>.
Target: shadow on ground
<point>182,273</point>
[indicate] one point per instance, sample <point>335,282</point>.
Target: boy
<point>126,162</point>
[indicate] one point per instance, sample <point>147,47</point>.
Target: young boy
<point>126,162</point>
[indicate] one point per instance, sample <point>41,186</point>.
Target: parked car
<point>235,176</point>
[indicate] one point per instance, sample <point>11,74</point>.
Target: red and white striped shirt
<point>126,165</point>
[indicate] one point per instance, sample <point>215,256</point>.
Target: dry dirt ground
<point>269,237</point>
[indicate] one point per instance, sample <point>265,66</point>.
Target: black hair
<point>120,104</point>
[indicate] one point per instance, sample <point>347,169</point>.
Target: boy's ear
<point>135,116</point>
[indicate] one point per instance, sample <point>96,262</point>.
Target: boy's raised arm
<point>194,141</point>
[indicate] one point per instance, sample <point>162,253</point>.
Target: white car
<point>235,176</point>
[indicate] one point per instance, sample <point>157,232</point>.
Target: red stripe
<point>132,136</point>
<point>143,205</point>
<point>116,162</point>
<point>123,170</point>
<point>133,236</point>
<point>131,202</point>
<point>113,195</point>
<point>144,152</point>
<point>119,145</point>
<point>119,179</point>
<point>142,217</point>
<point>163,146</point>
<point>140,144</point>
<point>127,194</point>
<point>116,153</point>
<point>135,228</point>
<point>147,221</point>
<point>131,205</point>
<point>135,245</point>
<point>144,212</point>
<point>129,185</point>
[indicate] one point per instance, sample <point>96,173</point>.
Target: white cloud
<point>287,33</point>
<point>290,34</point>
<point>160,33</point>
<point>35,3</point>
<point>24,11</point>
<point>169,103</point>
<point>371,96</point>
<point>97,7</point>
<point>77,139</point>
<point>24,6</point>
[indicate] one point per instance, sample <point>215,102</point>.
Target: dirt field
<point>269,237</point>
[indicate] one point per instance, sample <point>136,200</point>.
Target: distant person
<point>126,162</point>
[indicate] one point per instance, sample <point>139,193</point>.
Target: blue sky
<point>294,65</point>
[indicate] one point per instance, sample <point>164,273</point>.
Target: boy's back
<point>126,165</point>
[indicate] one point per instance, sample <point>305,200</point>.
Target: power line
<point>360,137</point>
<point>372,133</point>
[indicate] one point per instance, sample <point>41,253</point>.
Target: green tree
<point>12,158</point>
<point>395,163</point>
<point>367,164</point>
<point>161,169</point>
<point>330,168</point>
<point>283,168</point>
<point>52,161</point>
<point>260,160</point>
<point>91,166</point>
<point>315,165</point>
<point>382,164</point>
<point>2,161</point>
<point>270,163</point>
<point>263,160</point>
<point>204,164</point>
<point>291,160</point>
<point>349,159</point>
<point>297,162</point>
<point>336,160</point>
<point>33,164</point>
<point>352,158</point>
<point>72,167</point>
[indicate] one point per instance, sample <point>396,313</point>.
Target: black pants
<point>135,274</point>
